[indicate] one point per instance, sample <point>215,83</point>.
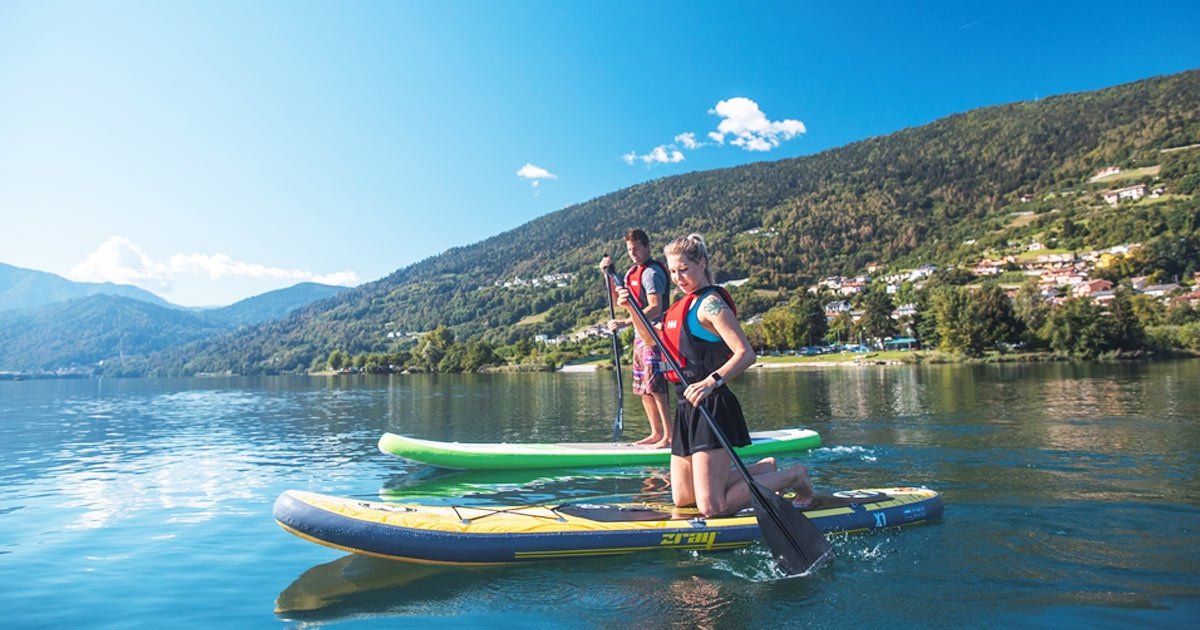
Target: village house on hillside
<point>1091,287</point>
<point>842,286</point>
<point>1159,290</point>
<point>1060,276</point>
<point>557,279</point>
<point>834,308</point>
<point>588,332</point>
<point>1113,197</point>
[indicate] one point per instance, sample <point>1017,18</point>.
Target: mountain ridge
<point>22,288</point>
<point>915,195</point>
<point>80,333</point>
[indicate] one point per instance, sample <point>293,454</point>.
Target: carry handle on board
<point>796,543</point>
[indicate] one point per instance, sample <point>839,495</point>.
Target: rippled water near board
<point>1071,501</point>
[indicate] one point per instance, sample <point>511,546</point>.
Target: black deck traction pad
<point>610,513</point>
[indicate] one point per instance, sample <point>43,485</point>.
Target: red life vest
<point>696,357</point>
<point>633,281</point>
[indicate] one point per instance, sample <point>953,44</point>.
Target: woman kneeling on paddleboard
<point>702,333</point>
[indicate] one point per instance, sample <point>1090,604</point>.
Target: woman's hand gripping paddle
<point>797,545</point>
<point>619,421</point>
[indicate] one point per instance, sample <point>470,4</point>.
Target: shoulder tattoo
<point>713,305</point>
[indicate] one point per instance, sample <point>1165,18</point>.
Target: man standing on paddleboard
<point>647,283</point>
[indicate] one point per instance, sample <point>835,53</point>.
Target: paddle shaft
<point>763,508</point>
<point>618,422</point>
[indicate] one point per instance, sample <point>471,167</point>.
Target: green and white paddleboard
<point>502,456</point>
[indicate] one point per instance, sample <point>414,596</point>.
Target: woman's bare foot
<point>663,443</point>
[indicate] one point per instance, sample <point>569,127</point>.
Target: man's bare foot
<point>763,466</point>
<point>651,439</point>
<point>801,484</point>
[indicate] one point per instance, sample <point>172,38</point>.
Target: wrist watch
<point>716,376</point>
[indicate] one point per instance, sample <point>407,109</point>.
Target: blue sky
<point>209,151</point>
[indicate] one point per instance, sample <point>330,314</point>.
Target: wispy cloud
<point>742,124</point>
<point>121,261</point>
<point>535,174</point>
<point>661,154</point>
<point>972,24</point>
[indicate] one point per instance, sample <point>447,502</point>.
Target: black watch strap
<point>716,376</point>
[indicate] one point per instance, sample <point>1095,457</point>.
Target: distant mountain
<point>80,332</point>
<point>84,331</point>
<point>270,305</point>
<point>944,193</point>
<point>26,288</point>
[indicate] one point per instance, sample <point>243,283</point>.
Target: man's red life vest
<point>633,281</point>
<point>696,357</point>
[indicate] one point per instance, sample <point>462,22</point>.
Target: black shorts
<point>692,432</point>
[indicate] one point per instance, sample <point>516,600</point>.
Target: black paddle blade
<point>797,544</point>
<point>618,424</point>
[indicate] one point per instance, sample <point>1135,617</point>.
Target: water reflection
<point>336,589</point>
<point>1063,483</point>
<point>673,590</point>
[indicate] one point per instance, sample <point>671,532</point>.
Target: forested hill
<point>93,329</point>
<point>270,305</point>
<point>910,197</point>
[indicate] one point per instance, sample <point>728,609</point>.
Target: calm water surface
<point>1071,501</point>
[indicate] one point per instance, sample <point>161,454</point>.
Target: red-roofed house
<point>1086,289</point>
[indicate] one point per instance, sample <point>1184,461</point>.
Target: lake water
<point>1071,501</point>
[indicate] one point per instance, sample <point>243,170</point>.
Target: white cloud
<point>661,154</point>
<point>742,121</point>
<point>749,126</point>
<point>218,266</point>
<point>535,174</point>
<point>688,140</point>
<point>119,260</point>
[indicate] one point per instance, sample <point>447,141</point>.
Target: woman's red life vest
<point>696,357</point>
<point>633,281</point>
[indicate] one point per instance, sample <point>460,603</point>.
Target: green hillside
<point>270,305</point>
<point>77,334</point>
<point>940,193</point>
<point>84,331</point>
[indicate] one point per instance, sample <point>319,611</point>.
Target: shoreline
<point>585,367</point>
<point>823,364</point>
